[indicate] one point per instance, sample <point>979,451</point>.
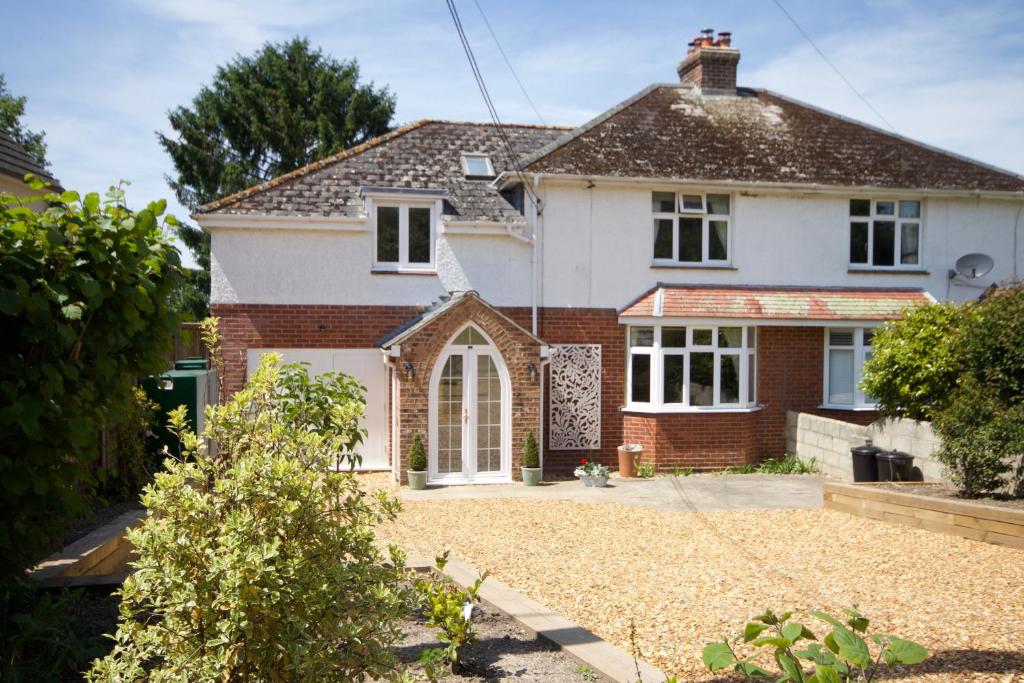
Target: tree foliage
<point>11,110</point>
<point>264,115</point>
<point>916,361</point>
<point>253,563</point>
<point>84,306</point>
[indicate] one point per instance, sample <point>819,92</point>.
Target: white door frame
<point>468,475</point>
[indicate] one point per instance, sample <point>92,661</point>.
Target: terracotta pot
<point>627,461</point>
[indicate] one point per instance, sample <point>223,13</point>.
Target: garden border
<point>976,521</point>
<point>577,642</point>
<point>99,558</point>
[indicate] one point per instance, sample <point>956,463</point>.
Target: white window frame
<point>861,352</point>
<point>486,157</point>
<point>706,219</point>
<point>403,264</point>
<point>898,237</point>
<point>658,353</point>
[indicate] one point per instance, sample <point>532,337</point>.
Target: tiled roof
<point>15,161</point>
<point>755,136</point>
<point>436,310</point>
<point>424,155</point>
<point>773,303</point>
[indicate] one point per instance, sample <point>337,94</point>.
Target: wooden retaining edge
<point>96,558</point>
<point>977,521</point>
<point>577,642</point>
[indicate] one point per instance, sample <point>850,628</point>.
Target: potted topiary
<point>417,463</point>
<point>532,471</point>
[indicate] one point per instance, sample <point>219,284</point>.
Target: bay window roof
<point>772,303</point>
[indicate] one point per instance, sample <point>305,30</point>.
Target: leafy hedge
<point>84,291</point>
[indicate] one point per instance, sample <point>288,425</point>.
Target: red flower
<point>583,461</point>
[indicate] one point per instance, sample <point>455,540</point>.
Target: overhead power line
<point>503,136</point>
<point>522,88</point>
<point>835,68</point>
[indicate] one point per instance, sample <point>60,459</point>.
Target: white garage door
<point>368,367</point>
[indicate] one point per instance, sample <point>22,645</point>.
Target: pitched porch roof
<point>773,303</point>
<point>437,309</point>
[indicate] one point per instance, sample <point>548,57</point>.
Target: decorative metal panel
<point>575,420</point>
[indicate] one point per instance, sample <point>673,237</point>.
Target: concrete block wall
<point>829,442</point>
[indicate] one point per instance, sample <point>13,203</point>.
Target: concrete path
<point>698,493</point>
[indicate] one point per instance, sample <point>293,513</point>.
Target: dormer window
<point>403,236</point>
<point>477,166</point>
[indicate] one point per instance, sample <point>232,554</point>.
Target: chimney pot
<point>710,64</point>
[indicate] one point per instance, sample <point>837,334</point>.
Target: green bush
<point>993,343</point>
<point>531,454</point>
<point>449,609</point>
<point>133,457</point>
<point>85,289</point>
<point>842,655</point>
<point>916,361</point>
<point>417,455</point>
<point>256,563</point>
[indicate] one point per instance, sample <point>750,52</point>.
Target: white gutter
<point>242,221</point>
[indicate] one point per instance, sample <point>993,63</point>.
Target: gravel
<point>686,578</point>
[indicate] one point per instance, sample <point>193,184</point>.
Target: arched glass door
<point>469,409</point>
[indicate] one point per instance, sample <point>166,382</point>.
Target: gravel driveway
<point>686,578</point>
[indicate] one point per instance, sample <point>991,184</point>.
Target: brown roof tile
<point>756,136</point>
<point>773,303</point>
<point>423,155</point>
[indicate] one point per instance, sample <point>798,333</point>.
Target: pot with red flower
<point>592,473</point>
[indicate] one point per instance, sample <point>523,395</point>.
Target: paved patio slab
<point>699,493</point>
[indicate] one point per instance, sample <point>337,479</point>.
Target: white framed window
<point>691,367</point>
<point>691,228</point>
<point>885,233</point>
<point>477,165</point>
<point>846,349</point>
<point>404,234</point>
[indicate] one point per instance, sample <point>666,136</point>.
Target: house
<point>679,272</point>
<point>15,164</point>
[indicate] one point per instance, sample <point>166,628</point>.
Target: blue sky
<point>101,75</point>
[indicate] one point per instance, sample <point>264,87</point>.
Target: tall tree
<point>11,110</point>
<point>263,115</point>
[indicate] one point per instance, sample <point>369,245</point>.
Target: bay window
<point>698,367</point>
<point>691,229</point>
<point>846,350</point>
<point>403,236</point>
<point>885,233</point>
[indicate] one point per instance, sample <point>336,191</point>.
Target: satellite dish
<point>973,266</point>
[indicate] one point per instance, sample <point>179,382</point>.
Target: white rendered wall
<point>321,267</point>
<point>597,245</point>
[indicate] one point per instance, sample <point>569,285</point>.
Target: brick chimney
<point>710,63</point>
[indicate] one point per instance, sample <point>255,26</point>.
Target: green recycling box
<point>191,384</point>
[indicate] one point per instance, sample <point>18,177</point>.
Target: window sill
<point>688,410</point>
<point>402,271</point>
<point>886,271</point>
<point>693,266</point>
<point>849,409</point>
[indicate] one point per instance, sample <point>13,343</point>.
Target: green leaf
<point>794,630</point>
<point>752,630</point>
<point>825,617</point>
<point>826,674</point>
<point>749,668</point>
<point>774,641</point>
<point>907,651</point>
<point>790,666</point>
<point>72,311</point>
<point>852,647</point>
<point>717,656</point>
<point>831,644</point>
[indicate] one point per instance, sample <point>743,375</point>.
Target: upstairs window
<point>846,350</point>
<point>403,236</point>
<point>885,233</point>
<point>477,165</point>
<point>691,228</point>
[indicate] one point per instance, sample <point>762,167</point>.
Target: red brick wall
<point>698,440</point>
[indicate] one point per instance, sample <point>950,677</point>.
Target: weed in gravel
<point>645,470</point>
<point>586,673</point>
<point>790,464</point>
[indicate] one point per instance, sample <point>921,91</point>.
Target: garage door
<point>368,367</point>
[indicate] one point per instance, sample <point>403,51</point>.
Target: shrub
<point>133,458</point>
<point>85,291</point>
<point>981,437</point>
<point>916,361</point>
<point>531,454</point>
<point>449,609</point>
<point>843,654</point>
<point>993,343</point>
<point>417,455</point>
<point>255,563</point>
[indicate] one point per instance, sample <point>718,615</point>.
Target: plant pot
<point>599,482</point>
<point>586,480</point>
<point>628,460</point>
<point>417,480</point>
<point>532,475</point>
